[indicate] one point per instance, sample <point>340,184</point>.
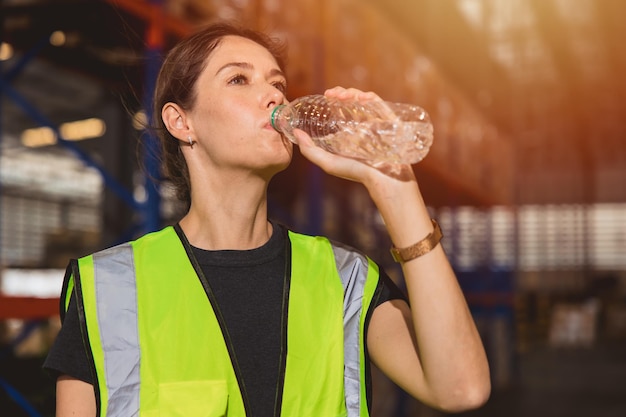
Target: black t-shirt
<point>248,287</point>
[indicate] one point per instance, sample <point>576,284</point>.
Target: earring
<point>191,141</point>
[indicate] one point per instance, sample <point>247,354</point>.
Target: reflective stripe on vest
<point>353,269</point>
<point>109,276</point>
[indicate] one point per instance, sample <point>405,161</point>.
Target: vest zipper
<point>283,328</point>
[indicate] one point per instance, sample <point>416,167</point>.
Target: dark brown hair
<point>176,83</point>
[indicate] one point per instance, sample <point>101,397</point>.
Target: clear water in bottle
<point>375,132</point>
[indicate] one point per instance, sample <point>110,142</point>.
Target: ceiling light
<point>140,120</point>
<point>57,38</point>
<point>6,51</point>
<point>78,130</point>
<point>83,129</point>
<point>39,136</point>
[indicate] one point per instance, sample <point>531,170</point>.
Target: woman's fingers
<point>351,94</point>
<point>332,164</point>
<point>346,94</point>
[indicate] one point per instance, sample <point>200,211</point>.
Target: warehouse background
<point>527,173</point>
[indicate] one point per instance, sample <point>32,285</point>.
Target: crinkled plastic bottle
<point>376,132</point>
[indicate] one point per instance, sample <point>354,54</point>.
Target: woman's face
<point>235,95</point>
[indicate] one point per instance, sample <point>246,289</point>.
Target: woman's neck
<point>228,217</point>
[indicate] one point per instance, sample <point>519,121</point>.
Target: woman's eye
<point>238,79</point>
<point>281,86</point>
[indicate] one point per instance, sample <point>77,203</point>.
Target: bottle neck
<point>275,117</point>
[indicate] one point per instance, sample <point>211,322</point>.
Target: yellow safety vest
<point>146,310</point>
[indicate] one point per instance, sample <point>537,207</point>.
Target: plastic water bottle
<point>375,132</point>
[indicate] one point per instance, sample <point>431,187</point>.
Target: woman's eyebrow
<point>247,66</point>
<point>242,65</point>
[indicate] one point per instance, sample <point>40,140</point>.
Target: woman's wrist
<point>402,208</point>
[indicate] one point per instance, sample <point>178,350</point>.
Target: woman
<point>228,313</point>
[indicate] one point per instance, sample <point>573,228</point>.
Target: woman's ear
<point>175,121</point>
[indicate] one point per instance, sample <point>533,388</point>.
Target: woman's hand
<point>349,168</point>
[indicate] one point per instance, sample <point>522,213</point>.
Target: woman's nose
<point>274,98</point>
